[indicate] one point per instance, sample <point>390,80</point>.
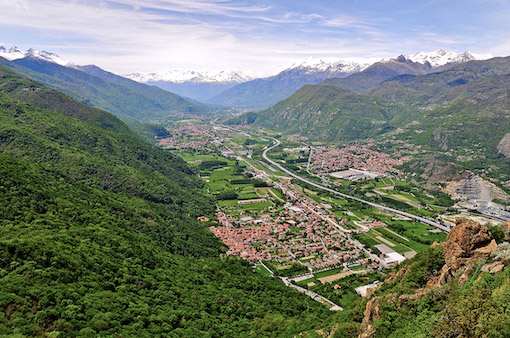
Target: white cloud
<point>131,39</point>
<point>136,35</point>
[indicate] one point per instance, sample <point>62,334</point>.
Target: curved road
<point>395,211</point>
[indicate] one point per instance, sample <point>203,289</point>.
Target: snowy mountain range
<point>181,76</point>
<point>313,65</point>
<point>309,66</point>
<point>442,57</point>
<point>14,53</point>
<point>437,58</point>
<point>235,88</point>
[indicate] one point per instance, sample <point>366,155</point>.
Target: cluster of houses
<point>299,232</point>
<point>360,157</point>
<point>188,136</point>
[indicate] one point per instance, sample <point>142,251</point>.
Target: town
<point>284,229</point>
<point>361,157</point>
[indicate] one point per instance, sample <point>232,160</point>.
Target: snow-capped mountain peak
<point>14,53</point>
<point>14,50</point>
<point>311,62</point>
<point>314,65</point>
<point>442,57</point>
<point>180,76</point>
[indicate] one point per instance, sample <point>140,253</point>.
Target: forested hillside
<point>98,235</point>
<point>327,112</point>
<point>95,87</point>
<point>457,109</point>
<point>403,92</point>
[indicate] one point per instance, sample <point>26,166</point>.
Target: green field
<point>396,239</point>
<point>418,235</point>
<point>248,196</point>
<point>400,248</point>
<point>256,206</point>
<point>228,203</point>
<point>328,273</point>
<point>223,178</point>
<point>364,239</point>
<point>418,230</point>
<point>261,269</point>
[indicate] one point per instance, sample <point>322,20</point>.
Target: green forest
<point>98,235</point>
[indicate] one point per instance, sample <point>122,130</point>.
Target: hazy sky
<point>259,37</point>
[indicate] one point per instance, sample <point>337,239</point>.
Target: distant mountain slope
<point>200,91</point>
<point>265,92</point>
<point>379,72</point>
<point>441,86</point>
<point>31,92</point>
<point>197,85</point>
<point>125,98</point>
<point>352,76</point>
<point>99,237</point>
<point>327,113</point>
<point>465,107</point>
<point>466,95</point>
<point>332,111</point>
<point>161,95</point>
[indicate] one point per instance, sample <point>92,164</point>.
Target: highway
<point>395,211</point>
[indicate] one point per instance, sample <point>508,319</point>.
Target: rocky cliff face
<point>469,247</point>
<point>504,145</point>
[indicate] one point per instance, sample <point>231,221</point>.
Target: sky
<point>258,37</point>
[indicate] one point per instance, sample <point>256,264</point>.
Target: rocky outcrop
<point>464,242</point>
<point>504,145</point>
<point>493,267</point>
<point>506,228</point>
<point>371,313</point>
<point>468,245</point>
<point>395,276</point>
<point>441,140</point>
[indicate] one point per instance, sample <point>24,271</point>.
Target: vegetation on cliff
<point>458,289</point>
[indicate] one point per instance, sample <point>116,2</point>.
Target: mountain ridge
<point>123,97</point>
<point>14,53</point>
<point>180,76</point>
<point>264,92</point>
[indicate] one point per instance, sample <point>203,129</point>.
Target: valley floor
<point>321,233</point>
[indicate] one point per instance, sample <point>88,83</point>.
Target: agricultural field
<point>402,236</point>
<point>228,180</point>
<point>261,269</point>
<point>340,290</point>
